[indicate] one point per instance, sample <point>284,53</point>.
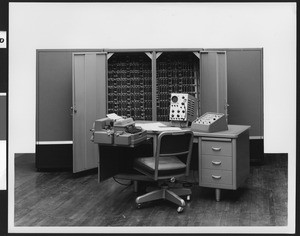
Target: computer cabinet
<point>138,84</point>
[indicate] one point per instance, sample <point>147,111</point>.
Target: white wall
<point>107,25</point>
<point>271,26</point>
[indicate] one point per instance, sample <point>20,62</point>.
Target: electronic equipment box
<point>102,131</point>
<point>119,132</point>
<point>210,122</point>
<point>182,107</point>
<point>126,133</point>
<point>127,139</point>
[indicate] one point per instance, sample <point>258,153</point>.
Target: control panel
<point>210,122</point>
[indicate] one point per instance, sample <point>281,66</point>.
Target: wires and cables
<point>128,184</point>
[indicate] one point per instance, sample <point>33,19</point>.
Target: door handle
<point>73,110</point>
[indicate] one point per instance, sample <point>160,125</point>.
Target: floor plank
<point>65,199</point>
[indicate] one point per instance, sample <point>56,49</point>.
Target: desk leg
<point>154,144</point>
<point>135,186</point>
<point>218,194</point>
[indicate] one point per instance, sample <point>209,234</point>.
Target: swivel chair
<point>171,160</point>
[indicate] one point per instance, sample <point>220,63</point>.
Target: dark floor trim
<point>256,151</point>
<point>58,156</point>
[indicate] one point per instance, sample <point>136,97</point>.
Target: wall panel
<point>245,89</point>
<point>54,95</point>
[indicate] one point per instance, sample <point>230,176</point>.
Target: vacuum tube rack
<point>177,72</point>
<point>130,85</point>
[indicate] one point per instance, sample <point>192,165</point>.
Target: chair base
<point>164,193</point>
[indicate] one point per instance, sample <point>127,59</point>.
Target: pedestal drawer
<point>217,148</point>
<point>216,176</point>
<point>216,162</point>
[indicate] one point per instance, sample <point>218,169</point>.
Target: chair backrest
<point>174,143</point>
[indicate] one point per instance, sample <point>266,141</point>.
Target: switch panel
<point>210,122</point>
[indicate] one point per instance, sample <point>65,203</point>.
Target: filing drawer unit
<point>224,160</point>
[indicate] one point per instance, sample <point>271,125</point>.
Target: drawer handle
<point>216,148</point>
<point>216,163</point>
<point>216,176</point>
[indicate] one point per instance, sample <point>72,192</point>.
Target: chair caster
<point>180,209</point>
<point>188,197</point>
<point>139,206</point>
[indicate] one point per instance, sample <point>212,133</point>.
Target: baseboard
<point>54,156</point>
<point>256,151</point>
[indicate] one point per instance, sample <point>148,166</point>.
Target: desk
<point>108,162</point>
<point>223,157</point>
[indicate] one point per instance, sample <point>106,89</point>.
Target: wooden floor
<point>62,199</point>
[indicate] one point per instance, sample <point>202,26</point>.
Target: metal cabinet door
<point>213,79</point>
<point>89,104</point>
<point>54,96</point>
<point>245,86</point>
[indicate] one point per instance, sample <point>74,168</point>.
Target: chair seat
<point>167,165</point>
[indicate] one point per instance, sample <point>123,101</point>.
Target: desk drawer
<point>216,162</point>
<point>216,176</point>
<point>217,148</point>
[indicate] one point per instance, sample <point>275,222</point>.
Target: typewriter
<point>118,132</point>
<point>126,133</point>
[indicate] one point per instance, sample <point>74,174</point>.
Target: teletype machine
<point>121,132</point>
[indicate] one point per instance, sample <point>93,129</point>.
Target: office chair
<point>171,160</point>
